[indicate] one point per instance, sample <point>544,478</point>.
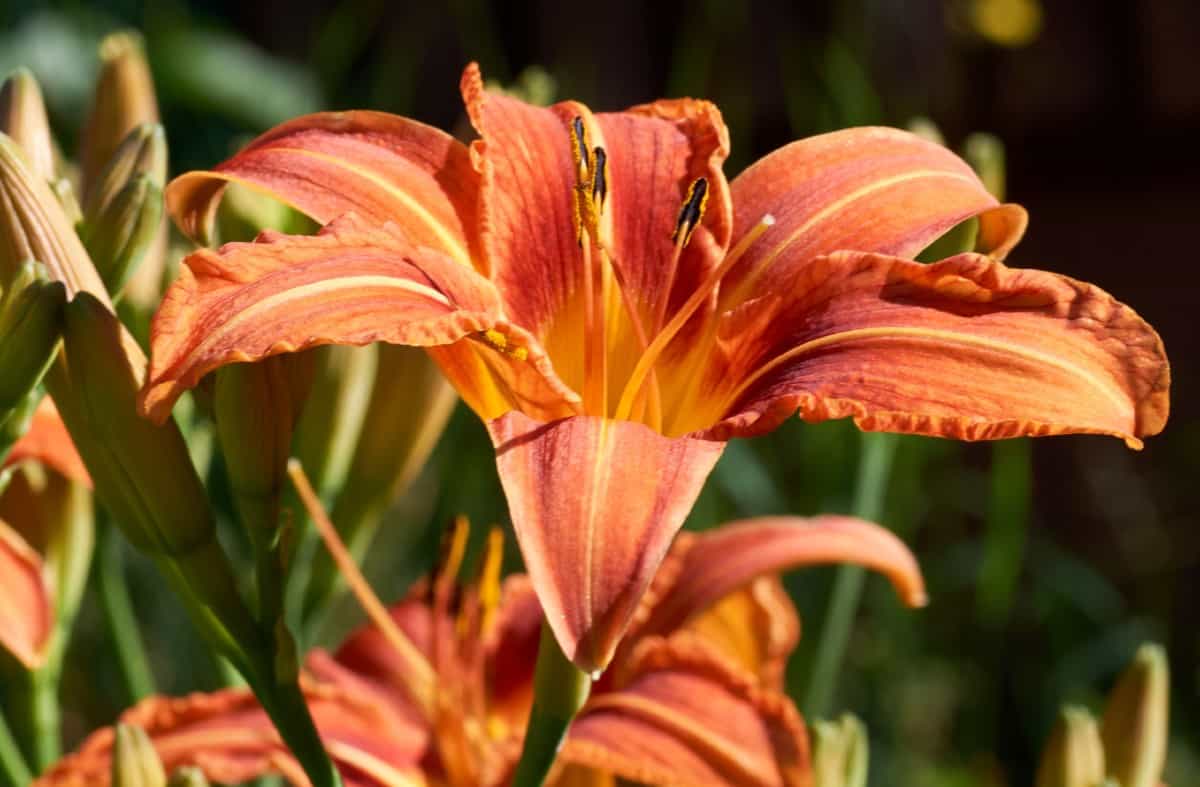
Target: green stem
<point>119,617</point>
<point>1007,530</point>
<point>44,718</point>
<point>14,771</point>
<point>559,691</point>
<point>285,704</point>
<point>874,469</point>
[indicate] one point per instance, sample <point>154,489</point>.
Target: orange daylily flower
<point>27,600</point>
<point>614,310</point>
<point>694,695</point>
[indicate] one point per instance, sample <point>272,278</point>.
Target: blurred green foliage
<point>1027,610</point>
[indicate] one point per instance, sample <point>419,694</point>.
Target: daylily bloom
<point>694,696</point>
<point>27,595</point>
<point>614,310</point>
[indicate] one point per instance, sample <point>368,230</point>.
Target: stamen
<point>692,211</point>
<point>489,577</point>
<point>499,342</point>
<point>420,682</point>
<point>454,548</point>
<point>599,184</point>
<point>648,359</point>
<point>579,148</point>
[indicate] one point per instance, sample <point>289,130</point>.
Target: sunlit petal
<point>595,504</point>
<point>965,348</point>
<point>870,189</point>
<point>381,167</point>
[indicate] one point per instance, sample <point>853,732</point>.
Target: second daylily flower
<point>614,310</point>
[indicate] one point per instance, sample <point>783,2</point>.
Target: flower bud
<point>121,234</point>
<point>840,753</point>
<point>1074,756</point>
<point>23,118</point>
<point>135,763</point>
<point>33,226</point>
<point>926,129</point>
<point>1135,724</point>
<point>188,776</point>
<point>985,154</point>
<point>124,99</point>
<point>142,152</point>
<point>31,313</point>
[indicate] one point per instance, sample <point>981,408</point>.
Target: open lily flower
<point>614,310</point>
<point>27,593</point>
<point>694,695</point>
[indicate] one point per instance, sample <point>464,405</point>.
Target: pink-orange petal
<point>718,562</point>
<point>228,736</point>
<point>350,284</point>
<point>26,606</point>
<point>378,166</point>
<point>870,189</point>
<point>595,504</point>
<point>49,443</point>
<point>966,348</point>
<point>687,716</point>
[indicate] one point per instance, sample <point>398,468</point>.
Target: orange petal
<point>228,736</point>
<point>527,181</point>
<point>379,166</point>
<point>871,189</point>
<point>965,348</point>
<point>595,504</point>
<point>350,284</point>
<point>655,152</point>
<point>49,442</point>
<point>688,717</point>
<point>26,608</point>
<point>718,562</point>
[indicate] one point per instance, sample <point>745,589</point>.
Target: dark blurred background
<point>1042,585</point>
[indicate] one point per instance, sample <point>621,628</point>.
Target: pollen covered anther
<point>691,212</point>
<point>499,342</point>
<point>599,180</point>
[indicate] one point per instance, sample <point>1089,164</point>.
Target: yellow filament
<point>455,549</point>
<point>646,363</point>
<point>420,683</point>
<point>489,576</point>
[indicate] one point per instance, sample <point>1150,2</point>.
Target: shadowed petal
<point>719,562</point>
<point>688,717</point>
<point>527,181</point>
<point>870,189</point>
<point>965,348</point>
<point>49,442</point>
<point>595,504</point>
<point>350,284</point>
<point>26,608</point>
<point>227,735</point>
<point>378,166</point>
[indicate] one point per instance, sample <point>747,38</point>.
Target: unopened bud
<point>188,776</point>
<point>65,193</point>
<point>23,118</point>
<point>143,151</point>
<point>256,406</point>
<point>1135,726</point>
<point>135,763</point>
<point>985,154</point>
<point>31,313</point>
<point>840,753</point>
<point>119,236</point>
<point>33,226</point>
<point>926,129</point>
<point>1074,756</point>
<point>124,99</point>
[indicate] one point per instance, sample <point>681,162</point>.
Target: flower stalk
<point>559,690</point>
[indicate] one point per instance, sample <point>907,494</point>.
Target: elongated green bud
<point>143,151</point>
<point>1135,726</point>
<point>1074,756</point>
<point>31,314</point>
<point>124,99</point>
<point>188,776</point>
<point>985,154</point>
<point>925,128</point>
<point>33,226</point>
<point>23,118</point>
<point>840,753</point>
<point>119,237</point>
<point>135,763</point>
